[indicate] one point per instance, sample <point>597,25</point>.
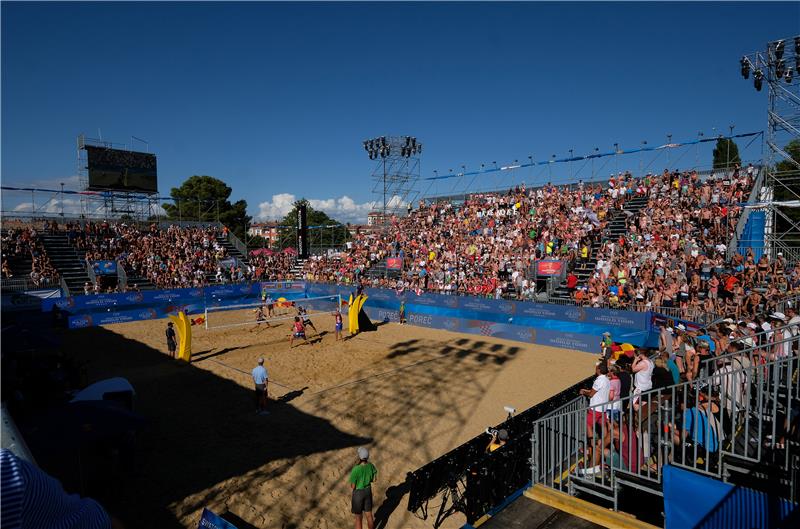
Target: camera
<point>510,410</point>
<point>491,431</point>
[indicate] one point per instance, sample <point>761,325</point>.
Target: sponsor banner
<point>549,268</point>
<point>104,268</point>
<point>123,316</point>
<point>394,263</point>
<point>233,294</point>
<point>209,520</point>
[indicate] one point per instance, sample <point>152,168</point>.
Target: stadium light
<point>758,78</point>
<point>788,76</point>
<point>780,68</point>
<point>745,62</point>
<point>779,49</point>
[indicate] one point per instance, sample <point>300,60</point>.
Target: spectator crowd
<point>20,244</point>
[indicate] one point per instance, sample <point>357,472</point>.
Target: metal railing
<point>20,284</point>
<point>122,277</point>
<point>715,425</point>
<point>90,272</point>
<point>751,199</point>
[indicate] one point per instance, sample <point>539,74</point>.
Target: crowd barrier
<point>103,309</point>
<point>570,327</point>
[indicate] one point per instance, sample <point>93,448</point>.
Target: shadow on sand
<point>202,430</point>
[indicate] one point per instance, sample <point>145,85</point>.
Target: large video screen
<point>114,169</point>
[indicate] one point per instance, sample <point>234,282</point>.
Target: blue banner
<point>209,520</point>
<point>104,268</point>
<point>569,327</point>
<point>213,295</point>
<point>718,505</point>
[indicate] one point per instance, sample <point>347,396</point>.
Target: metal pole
<point>383,221</point>
<point>33,202</point>
<point>616,158</point>
<point>62,199</point>
<point>669,140</point>
<point>729,149</point>
<point>570,165</point>
<point>697,151</point>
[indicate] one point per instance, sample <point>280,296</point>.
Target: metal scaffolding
<point>779,66</point>
<point>395,174</point>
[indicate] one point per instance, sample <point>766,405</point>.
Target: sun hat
<point>363,453</point>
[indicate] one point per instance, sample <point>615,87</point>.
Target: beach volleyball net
<point>246,314</point>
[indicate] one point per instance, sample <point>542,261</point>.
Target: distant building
<point>377,218</point>
<point>267,230</point>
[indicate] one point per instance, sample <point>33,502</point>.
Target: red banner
<point>394,263</point>
<point>549,268</point>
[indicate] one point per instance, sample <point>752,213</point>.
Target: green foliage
<point>205,198</point>
<point>726,154</point>
<point>317,237</point>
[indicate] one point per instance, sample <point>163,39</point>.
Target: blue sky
<point>276,99</point>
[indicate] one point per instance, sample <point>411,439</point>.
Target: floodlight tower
<point>396,173</point>
<point>778,66</point>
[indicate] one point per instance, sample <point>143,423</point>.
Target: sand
<point>410,394</point>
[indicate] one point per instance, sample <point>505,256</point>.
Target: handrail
<point>64,288</point>
<point>237,243</point>
<point>90,272</point>
<point>17,284</point>
<point>122,277</point>
<point>751,199</point>
<point>649,431</point>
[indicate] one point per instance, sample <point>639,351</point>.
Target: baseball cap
<point>681,327</point>
<point>363,453</point>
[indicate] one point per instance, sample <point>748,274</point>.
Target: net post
<point>205,317</point>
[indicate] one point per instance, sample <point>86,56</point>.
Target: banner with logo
<point>394,263</point>
<point>209,520</point>
<point>549,268</point>
<point>570,327</point>
<point>104,268</point>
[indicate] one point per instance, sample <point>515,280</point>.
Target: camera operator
<point>499,439</point>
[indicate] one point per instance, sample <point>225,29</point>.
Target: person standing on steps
<point>361,477</point>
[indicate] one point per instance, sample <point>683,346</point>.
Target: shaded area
<point>202,431</point>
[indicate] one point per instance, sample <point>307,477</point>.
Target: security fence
<point>735,421</point>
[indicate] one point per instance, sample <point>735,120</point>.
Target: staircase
<point>231,250</point>
<point>66,260</point>
<point>296,272</point>
<point>616,227</point>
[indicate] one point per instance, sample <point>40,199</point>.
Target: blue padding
<point>695,501</point>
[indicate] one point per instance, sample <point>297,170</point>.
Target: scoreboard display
<point>119,170</point>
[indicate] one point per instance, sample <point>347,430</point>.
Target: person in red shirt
<point>572,282</point>
<point>298,331</point>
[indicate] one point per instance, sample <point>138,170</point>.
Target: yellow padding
<point>584,509</point>
<point>183,326</point>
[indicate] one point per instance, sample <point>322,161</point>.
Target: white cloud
<point>344,209</point>
<point>72,207</point>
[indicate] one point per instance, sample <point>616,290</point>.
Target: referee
<point>361,477</point>
<point>260,379</point>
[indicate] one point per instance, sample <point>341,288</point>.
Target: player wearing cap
<point>361,477</point>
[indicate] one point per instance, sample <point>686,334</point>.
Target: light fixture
<point>745,62</point>
<point>758,77</point>
<point>779,49</point>
<point>780,69</point>
<point>788,76</point>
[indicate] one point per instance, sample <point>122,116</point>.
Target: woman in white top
<point>642,368</point>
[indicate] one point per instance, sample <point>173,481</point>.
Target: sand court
<point>408,393</point>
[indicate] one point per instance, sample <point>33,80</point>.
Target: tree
<point>726,154</point>
<point>205,198</point>
<point>789,172</point>
<point>331,233</point>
